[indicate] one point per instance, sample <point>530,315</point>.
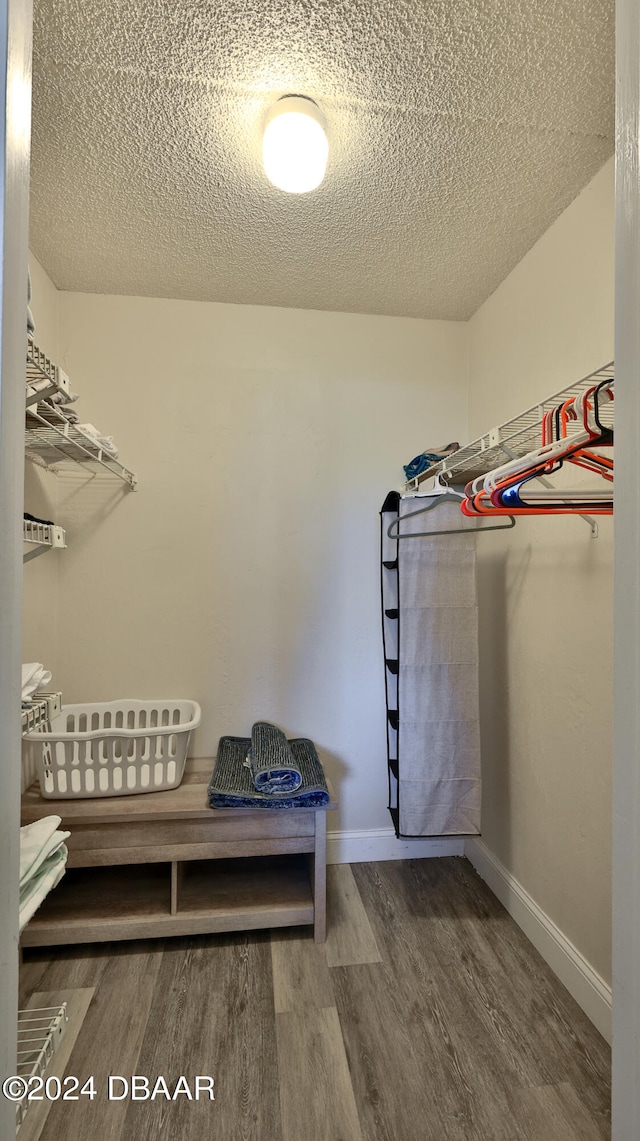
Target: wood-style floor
<point>427,1016</point>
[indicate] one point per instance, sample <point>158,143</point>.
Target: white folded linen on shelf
<point>34,677</point>
<point>61,397</point>
<point>54,413</point>
<point>58,410</point>
<point>39,385</point>
<point>54,401</point>
<point>105,442</point>
<point>38,841</point>
<point>43,856</point>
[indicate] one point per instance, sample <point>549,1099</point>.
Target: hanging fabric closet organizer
<point>430,633</point>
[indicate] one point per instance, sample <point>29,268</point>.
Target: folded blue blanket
<point>273,768</point>
<point>231,785</point>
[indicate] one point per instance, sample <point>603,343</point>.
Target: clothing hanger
<point>551,501</point>
<point>441,493</point>
<point>499,490</point>
<point>506,496</point>
<point>510,499</point>
<point>508,492</point>
<point>587,408</point>
<point>556,445</point>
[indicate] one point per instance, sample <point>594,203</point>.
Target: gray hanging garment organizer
<point>430,636</point>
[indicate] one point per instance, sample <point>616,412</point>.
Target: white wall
<point>546,592</point>
<point>44,306</point>
<point>244,572</point>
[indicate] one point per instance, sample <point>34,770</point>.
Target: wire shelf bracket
<point>43,537</point>
<point>40,711</point>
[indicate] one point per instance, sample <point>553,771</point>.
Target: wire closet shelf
<point>40,1032</point>
<point>51,441</point>
<point>515,437</point>
<point>43,376</point>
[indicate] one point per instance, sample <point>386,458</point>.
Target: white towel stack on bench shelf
<point>43,855</point>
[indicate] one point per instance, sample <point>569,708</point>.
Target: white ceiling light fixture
<point>295,145</point>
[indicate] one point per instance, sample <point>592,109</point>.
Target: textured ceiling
<point>459,130</point>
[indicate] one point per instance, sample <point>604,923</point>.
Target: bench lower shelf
<point>137,901</point>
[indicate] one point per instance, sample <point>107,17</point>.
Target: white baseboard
<point>588,988</point>
<point>383,844</point>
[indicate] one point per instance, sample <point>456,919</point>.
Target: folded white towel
<point>43,856</point>
<point>38,841</point>
<point>62,397</point>
<point>37,889</point>
<point>34,677</point>
<point>39,385</point>
<point>105,442</point>
<point>56,413</point>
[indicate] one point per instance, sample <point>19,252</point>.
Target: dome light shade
<point>294,145</point>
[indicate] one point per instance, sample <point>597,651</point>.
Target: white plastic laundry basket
<point>113,749</point>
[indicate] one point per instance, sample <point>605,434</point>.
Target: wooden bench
<point>142,866</point>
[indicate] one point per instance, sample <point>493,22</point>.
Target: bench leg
<point>319,879</point>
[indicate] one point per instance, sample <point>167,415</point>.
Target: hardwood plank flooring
<point>427,1016</point>
<point>212,1015</point>
<point>301,976</point>
<point>500,989</point>
<point>70,968</point>
<point>479,995</point>
<point>556,1111</point>
<point>108,1043</point>
<point>395,1059</point>
<point>524,985</point>
<point>318,1099</point>
<point>350,939</point>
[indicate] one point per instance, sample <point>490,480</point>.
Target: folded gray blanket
<point>273,768</point>
<point>231,785</point>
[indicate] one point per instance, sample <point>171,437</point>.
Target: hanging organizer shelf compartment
<point>515,437</point>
